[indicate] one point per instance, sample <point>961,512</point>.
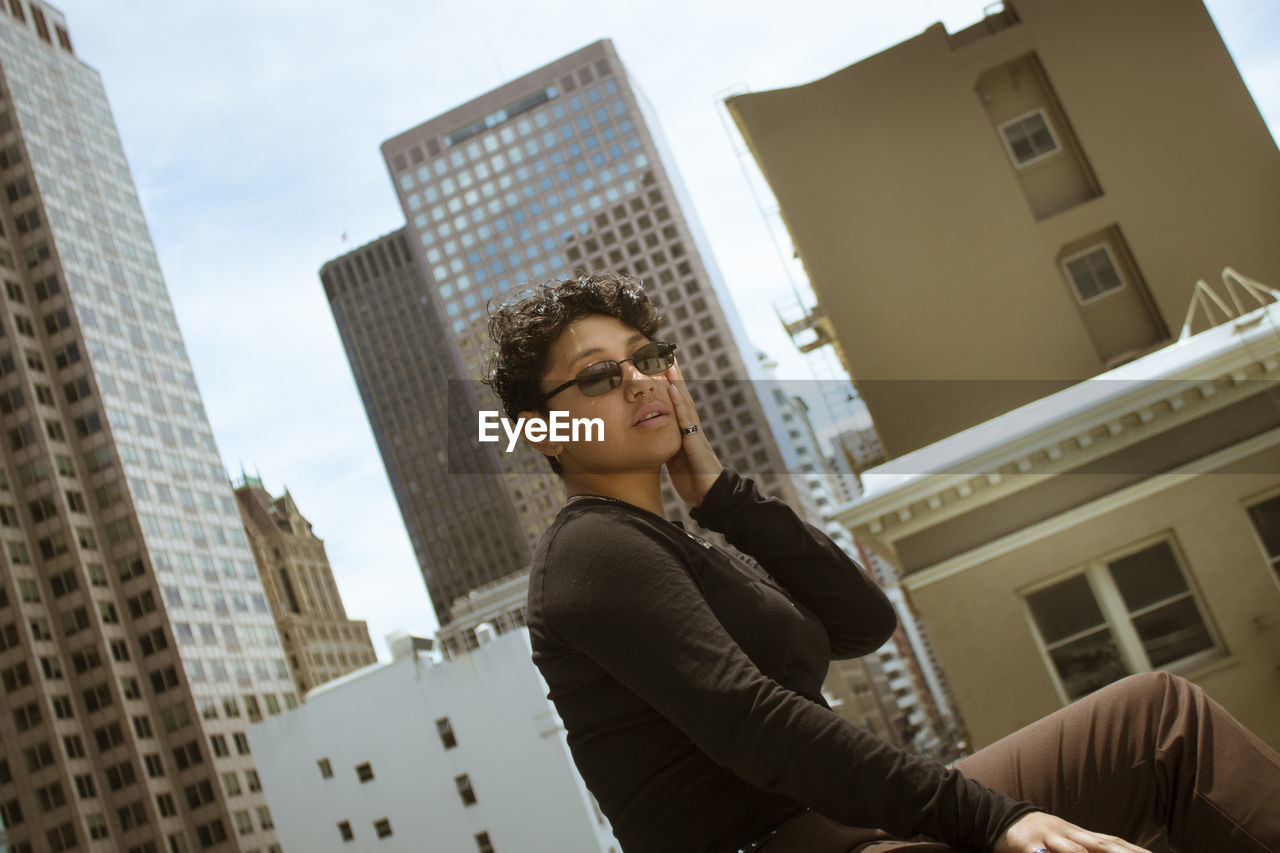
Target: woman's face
<point>633,440</point>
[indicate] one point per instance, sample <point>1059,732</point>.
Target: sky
<point>252,128</point>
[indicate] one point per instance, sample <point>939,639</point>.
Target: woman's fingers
<point>1094,842</point>
<point>694,468</point>
<point>1040,831</point>
<point>686,413</point>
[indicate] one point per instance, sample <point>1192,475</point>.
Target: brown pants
<point>1149,754</point>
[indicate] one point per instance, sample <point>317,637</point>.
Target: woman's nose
<point>636,381</point>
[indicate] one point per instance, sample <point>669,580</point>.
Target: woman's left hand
<point>1039,831</point>
<point>695,466</point>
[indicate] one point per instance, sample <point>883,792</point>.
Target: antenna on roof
<point>1205,298</point>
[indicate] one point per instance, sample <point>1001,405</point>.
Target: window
<point>465,790</point>
<point>1266,519</point>
<point>1029,138</point>
<point>1093,273</point>
<point>344,830</point>
<point>1130,614</point>
<point>364,772</point>
<point>326,769</point>
<point>483,844</point>
<point>445,730</point>
<point>155,767</point>
<point>382,827</point>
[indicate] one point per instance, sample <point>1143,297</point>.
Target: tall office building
<point>319,639</point>
<point>136,644</point>
<point>990,215</point>
<point>461,521</point>
<point>559,172</point>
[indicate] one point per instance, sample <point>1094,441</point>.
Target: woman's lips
<point>653,423</point>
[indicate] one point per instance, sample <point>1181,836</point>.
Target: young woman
<point>689,681</point>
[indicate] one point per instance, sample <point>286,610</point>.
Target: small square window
<point>344,830</point>
<point>326,769</point>
<point>1093,273</point>
<point>382,827</point>
<point>1029,138</point>
<point>445,729</point>
<point>465,791</point>
<point>364,772</point>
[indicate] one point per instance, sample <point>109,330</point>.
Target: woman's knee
<point>1148,689</point>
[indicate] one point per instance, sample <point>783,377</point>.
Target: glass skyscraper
<point>559,172</point>
<point>136,642</point>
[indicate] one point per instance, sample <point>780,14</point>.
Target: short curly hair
<point>524,327</point>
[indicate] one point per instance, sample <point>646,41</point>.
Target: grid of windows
<point>93,291</point>
<point>573,180</point>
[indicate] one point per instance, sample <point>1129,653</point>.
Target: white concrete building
<point>458,756</point>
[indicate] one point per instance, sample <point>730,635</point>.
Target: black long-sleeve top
<point>689,681</point>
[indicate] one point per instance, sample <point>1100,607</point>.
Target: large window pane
<point>1076,635</point>
<point>1266,517</point>
<point>1149,576</point>
<point>1172,632</point>
<point>1163,612</point>
<point>1065,609</point>
<point>1088,663</point>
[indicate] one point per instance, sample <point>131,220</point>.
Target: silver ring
<point>1041,850</point>
<point>690,430</point>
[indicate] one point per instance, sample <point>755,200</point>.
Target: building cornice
<point>1094,509</point>
<point>1072,428</point>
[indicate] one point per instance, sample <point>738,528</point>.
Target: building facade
<point>461,756</point>
<point>993,214</point>
<point>497,608</point>
<point>320,642</point>
<point>136,643</point>
<point>461,519</point>
<point>1125,524</point>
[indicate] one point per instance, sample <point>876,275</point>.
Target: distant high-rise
<point>462,524</point>
<point>559,172</point>
<point>319,639</point>
<point>136,644</point>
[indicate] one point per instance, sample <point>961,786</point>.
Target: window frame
<point>1117,617</point>
<point>1272,562</point>
<point>1008,146</point>
<point>1111,257</point>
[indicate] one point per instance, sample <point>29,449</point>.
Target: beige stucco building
<point>321,643</point>
<point>1128,523</point>
<point>989,215</point>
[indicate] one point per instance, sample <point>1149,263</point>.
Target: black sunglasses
<point>602,377</point>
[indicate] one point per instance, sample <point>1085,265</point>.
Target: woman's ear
<point>546,446</point>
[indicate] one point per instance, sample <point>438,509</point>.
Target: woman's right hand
<point>695,467</point>
<point>1038,832</point>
